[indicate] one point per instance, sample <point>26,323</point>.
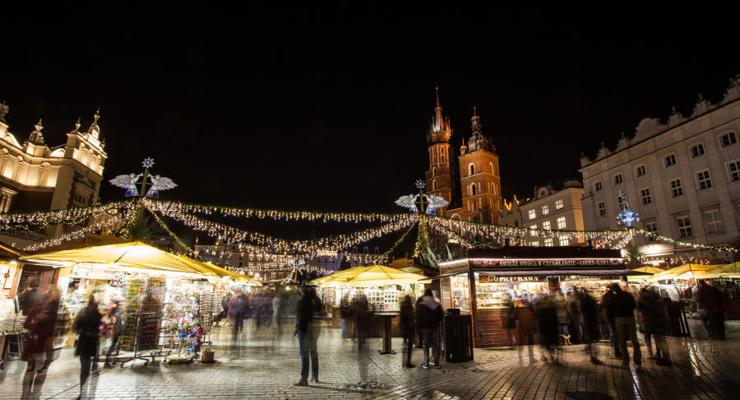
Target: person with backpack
<point>429,314</point>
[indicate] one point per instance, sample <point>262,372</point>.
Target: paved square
<point>263,366</point>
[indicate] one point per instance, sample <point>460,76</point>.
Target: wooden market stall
<point>488,281</point>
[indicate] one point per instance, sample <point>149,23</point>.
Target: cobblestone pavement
<point>266,368</point>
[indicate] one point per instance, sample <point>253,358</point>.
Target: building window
<point>645,196</point>
<point>676,189</point>
<point>702,177</point>
<point>471,168</point>
<point>684,227</point>
<point>670,160</point>
<point>564,241</point>
<point>602,208</point>
<point>548,242</point>
<point>532,214</point>
<point>561,223</point>
<point>533,230</point>
<point>697,150</point>
<point>618,179</point>
<point>534,244</point>
<point>546,225</point>
<point>545,210</point>
<point>651,227</point>
<point>734,169</point>
<point>728,139</point>
<point>434,172</point>
<point>598,187</point>
<point>713,219</point>
<point>558,204</point>
<point>490,165</point>
<point>434,185</point>
<point>473,189</point>
<point>640,170</point>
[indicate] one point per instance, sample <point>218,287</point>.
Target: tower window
<point>473,189</point>
<point>471,168</point>
<point>434,185</point>
<point>434,171</point>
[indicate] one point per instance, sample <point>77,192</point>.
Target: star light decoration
<point>156,183</point>
<point>626,216</point>
<point>422,202</point>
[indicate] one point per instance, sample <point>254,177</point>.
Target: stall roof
<point>220,272</point>
<point>685,271</point>
<point>136,255</point>
<point>373,275</point>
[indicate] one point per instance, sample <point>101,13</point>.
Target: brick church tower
<point>438,176</point>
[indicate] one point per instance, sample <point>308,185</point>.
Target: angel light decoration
<point>422,202</point>
<point>131,182</point>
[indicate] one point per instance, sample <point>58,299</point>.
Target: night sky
<point>327,109</point>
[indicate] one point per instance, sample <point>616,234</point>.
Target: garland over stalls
<point>106,222</point>
<point>698,246</point>
<point>385,257</point>
<point>179,207</point>
<point>70,216</point>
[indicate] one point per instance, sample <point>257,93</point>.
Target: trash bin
<point>458,338</point>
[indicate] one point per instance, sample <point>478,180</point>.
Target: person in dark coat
<point>653,321</point>
<point>622,306</point>
<point>309,313</point>
<point>526,327</point>
<point>345,312</point>
<point>407,328</point>
<point>606,299</point>
<point>589,319</point>
<point>547,325</point>
<point>238,308</point>
<point>711,301</point>
<point>361,312</point>
<point>429,314</point>
<point>87,326</point>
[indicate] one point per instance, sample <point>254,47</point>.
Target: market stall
<point>169,300</point>
<point>11,322</point>
<point>488,282</point>
<point>382,286</point>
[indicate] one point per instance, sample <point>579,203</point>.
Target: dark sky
<point>327,108</point>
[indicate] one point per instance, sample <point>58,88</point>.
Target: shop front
<point>489,284</point>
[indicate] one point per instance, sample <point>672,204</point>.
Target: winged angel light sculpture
<point>131,182</point>
<point>427,203</point>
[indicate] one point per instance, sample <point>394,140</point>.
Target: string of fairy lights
<point>310,216</point>
<point>467,234</point>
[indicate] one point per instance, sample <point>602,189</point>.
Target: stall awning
<point>220,272</point>
<point>722,271</point>
<point>135,255</point>
<point>686,271</point>
<point>368,276</point>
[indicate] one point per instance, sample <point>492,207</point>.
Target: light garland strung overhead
<point>698,246</point>
<point>180,207</point>
<point>106,222</point>
<point>70,216</point>
<point>385,257</point>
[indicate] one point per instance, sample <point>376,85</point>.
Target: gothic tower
<point>480,182</point>
<point>438,177</point>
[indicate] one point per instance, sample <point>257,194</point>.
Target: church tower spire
<point>438,176</point>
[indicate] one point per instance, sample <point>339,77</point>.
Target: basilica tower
<point>438,177</point>
<point>480,182</point>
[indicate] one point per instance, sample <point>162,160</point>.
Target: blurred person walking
<point>361,312</point>
<point>711,301</point>
<point>526,327</point>
<point>589,320</point>
<point>115,312</point>
<point>607,299</point>
<point>547,325</point>
<point>345,312</point>
<point>622,306</point>
<point>407,328</point>
<point>237,312</point>
<point>309,313</point>
<point>87,326</point>
<point>429,314</point>
<point>652,319</point>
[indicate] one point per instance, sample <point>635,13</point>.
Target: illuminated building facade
<point>682,175</point>
<point>480,180</point>
<point>36,177</point>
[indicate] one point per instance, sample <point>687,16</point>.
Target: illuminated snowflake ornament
<point>148,163</point>
<point>420,184</point>
<point>626,216</point>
